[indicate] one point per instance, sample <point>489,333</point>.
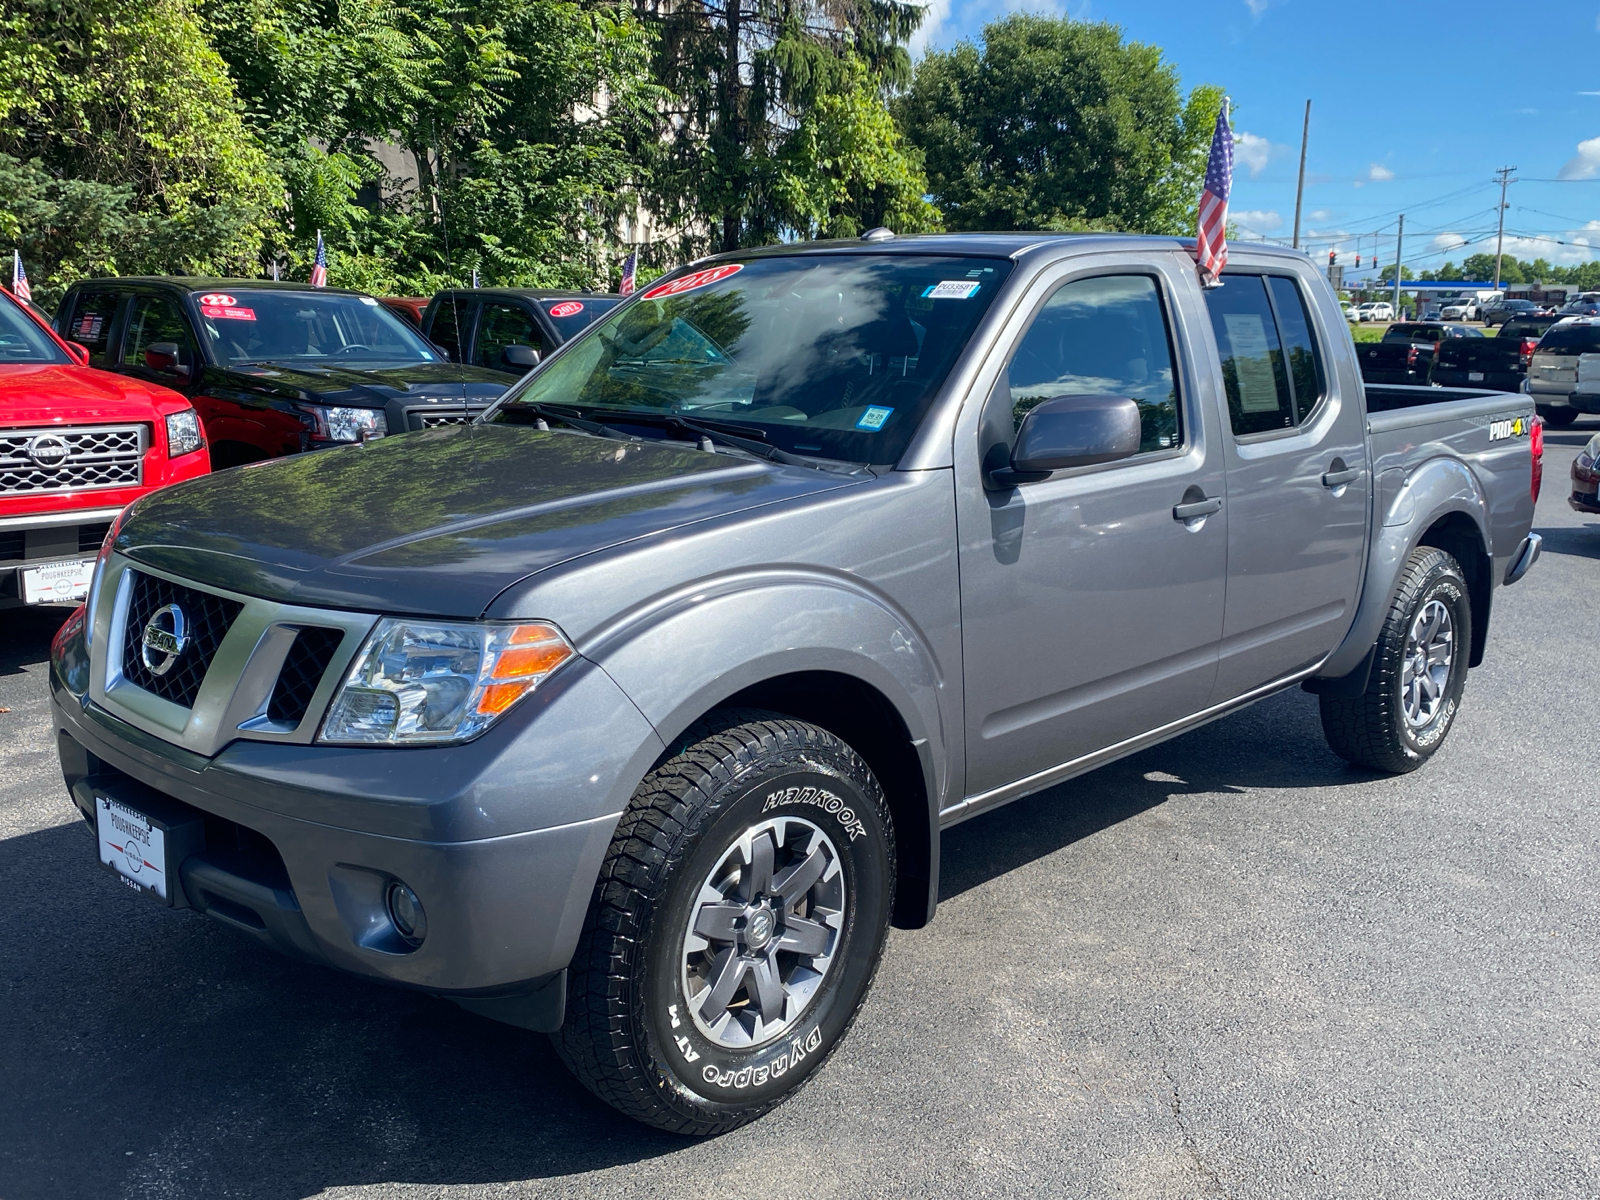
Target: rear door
<point>1298,480</point>
<point>1090,611</point>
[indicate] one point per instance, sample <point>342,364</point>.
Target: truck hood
<point>48,394</point>
<point>440,521</point>
<point>360,387</point>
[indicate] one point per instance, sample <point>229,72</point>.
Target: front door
<point>1090,612</point>
<point>1297,482</point>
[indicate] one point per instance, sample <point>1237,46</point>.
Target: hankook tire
<point>735,927</point>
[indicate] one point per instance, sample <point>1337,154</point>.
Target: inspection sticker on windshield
<point>951,289</point>
<point>873,419</point>
<point>691,281</point>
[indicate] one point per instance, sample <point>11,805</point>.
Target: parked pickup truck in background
<point>1564,373</point>
<point>1497,363</point>
<point>510,329</point>
<point>274,368</point>
<point>76,445</point>
<point>633,711</point>
<point>1406,353</point>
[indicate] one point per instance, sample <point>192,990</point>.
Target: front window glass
<point>156,322</point>
<point>322,328</point>
<point>571,317</point>
<point>835,356</point>
<point>21,339</point>
<point>1105,335</point>
<point>502,325</point>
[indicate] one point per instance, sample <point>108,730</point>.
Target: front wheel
<point>1418,673</point>
<point>735,927</point>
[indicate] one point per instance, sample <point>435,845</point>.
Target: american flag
<point>1211,241</point>
<point>319,269</point>
<point>19,278</point>
<point>630,271</point>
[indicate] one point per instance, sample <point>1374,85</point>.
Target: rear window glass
<point>1413,333</point>
<point>90,324</point>
<point>1572,339</point>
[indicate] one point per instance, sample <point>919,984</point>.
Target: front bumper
<point>504,911</point>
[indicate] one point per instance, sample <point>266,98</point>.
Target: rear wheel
<point>1558,418</point>
<point>1418,673</point>
<point>735,927</point>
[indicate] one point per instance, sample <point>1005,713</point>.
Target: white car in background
<point>1464,308</point>
<point>1376,310</point>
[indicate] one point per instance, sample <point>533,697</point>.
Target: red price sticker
<point>693,280</point>
<point>218,300</point>
<point>567,308</point>
<point>220,312</point>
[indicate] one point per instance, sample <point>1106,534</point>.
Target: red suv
<point>76,445</point>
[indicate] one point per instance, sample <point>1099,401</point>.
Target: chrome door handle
<point>1196,508</point>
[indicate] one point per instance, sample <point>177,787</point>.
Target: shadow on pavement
<point>25,635</point>
<point>1277,743</point>
<point>1580,541</point>
<point>153,1052</point>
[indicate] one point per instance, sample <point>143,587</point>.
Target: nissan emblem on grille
<point>48,450</point>
<point>165,638</point>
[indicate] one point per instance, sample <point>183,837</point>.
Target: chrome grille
<point>60,460</point>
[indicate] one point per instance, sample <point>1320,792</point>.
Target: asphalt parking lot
<point>1230,966</point>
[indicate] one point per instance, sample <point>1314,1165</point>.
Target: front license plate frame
<point>64,581</point>
<point>142,836</point>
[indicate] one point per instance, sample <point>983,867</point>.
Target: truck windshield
<point>21,339</point>
<point>306,327</point>
<point>834,356</point>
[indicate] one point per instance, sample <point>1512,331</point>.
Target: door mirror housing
<point>163,356</point>
<point>80,352</point>
<point>1071,431</point>
<point>521,357</point>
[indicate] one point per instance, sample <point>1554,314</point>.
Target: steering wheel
<point>352,347</point>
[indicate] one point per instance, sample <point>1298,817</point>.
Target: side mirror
<point>1071,431</point>
<point>163,356</point>
<point>521,357</point>
<point>79,352</point>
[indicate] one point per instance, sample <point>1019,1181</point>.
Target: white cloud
<point>1321,214</point>
<point>1256,7</point>
<point>1379,174</point>
<point>1447,241</point>
<point>1258,220</point>
<point>1585,164</point>
<point>934,15</point>
<point>1254,151</point>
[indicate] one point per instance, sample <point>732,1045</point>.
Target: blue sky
<point>1414,106</point>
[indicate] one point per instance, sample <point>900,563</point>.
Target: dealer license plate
<point>131,846</point>
<point>1474,376</point>
<point>57,582</point>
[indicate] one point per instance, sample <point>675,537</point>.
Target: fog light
<point>405,910</point>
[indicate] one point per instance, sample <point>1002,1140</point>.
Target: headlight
<point>420,682</point>
<point>344,424</point>
<point>183,433</point>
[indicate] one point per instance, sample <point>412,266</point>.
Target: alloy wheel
<point>1430,653</point>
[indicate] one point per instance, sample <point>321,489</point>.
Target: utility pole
<point>1504,177</point>
<point>1399,247</point>
<point>1300,188</point>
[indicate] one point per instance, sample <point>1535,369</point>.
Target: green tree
<point>774,124</point>
<point>122,142</point>
<point>1052,123</point>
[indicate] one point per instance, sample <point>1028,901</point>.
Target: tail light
<point>1411,357</point>
<point>1529,345</point>
<point>1536,449</point>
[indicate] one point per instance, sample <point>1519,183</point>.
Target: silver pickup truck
<point>633,711</point>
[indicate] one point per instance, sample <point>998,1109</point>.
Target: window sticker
<point>368,300</point>
<point>691,281</point>
<point>218,312</point>
<point>874,418</point>
<point>88,327</point>
<point>567,308</point>
<point>951,289</point>
<point>1252,362</point>
<point>218,299</point>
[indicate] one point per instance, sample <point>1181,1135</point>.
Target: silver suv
<point>1564,373</point>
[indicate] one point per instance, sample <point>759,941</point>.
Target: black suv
<point>274,368</point>
<point>509,329</point>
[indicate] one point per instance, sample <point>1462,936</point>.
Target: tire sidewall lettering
<point>1420,742</point>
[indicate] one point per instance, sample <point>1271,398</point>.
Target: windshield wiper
<point>553,413</point>
<point>744,440</point>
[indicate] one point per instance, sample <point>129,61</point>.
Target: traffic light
<point>1333,257</point>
